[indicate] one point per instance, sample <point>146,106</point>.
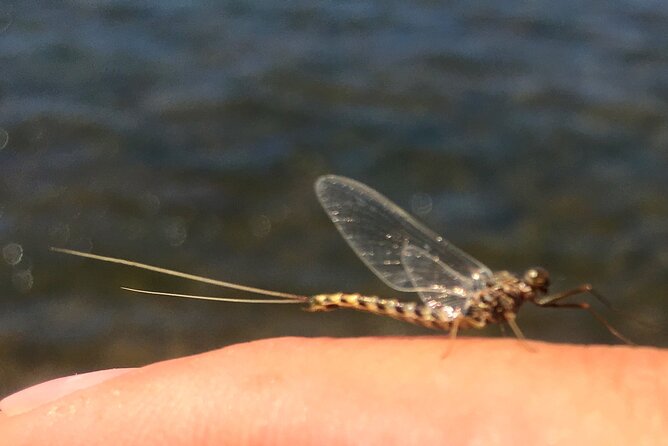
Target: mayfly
<point>457,291</point>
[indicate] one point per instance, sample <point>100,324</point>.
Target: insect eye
<point>537,277</point>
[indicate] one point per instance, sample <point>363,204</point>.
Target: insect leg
<point>502,328</point>
<point>553,303</point>
<point>515,328</point>
<point>582,289</point>
<point>454,329</point>
<point>510,320</point>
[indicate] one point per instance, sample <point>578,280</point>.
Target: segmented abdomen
<point>413,313</point>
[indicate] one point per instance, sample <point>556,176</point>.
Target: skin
<point>403,391</point>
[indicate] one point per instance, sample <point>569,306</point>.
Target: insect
<point>457,291</point>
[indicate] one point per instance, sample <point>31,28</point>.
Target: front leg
<point>582,289</point>
<point>552,301</point>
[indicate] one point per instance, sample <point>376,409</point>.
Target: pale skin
<point>403,391</point>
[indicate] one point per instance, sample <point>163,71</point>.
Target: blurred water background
<point>188,134</point>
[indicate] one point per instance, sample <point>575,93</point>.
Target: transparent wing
<point>378,230</point>
<point>427,274</point>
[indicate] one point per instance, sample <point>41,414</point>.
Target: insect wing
<point>428,273</point>
<point>378,230</point>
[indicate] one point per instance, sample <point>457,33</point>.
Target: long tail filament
<point>284,298</point>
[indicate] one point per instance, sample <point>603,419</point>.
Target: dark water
<point>189,134</point>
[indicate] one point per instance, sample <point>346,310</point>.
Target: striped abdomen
<point>436,318</point>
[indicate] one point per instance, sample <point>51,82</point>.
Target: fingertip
<point>43,393</point>
<point>366,391</point>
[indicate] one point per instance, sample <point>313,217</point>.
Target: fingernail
<point>40,394</point>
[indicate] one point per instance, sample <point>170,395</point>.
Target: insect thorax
<point>501,298</point>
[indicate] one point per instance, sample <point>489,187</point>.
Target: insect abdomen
<point>404,311</point>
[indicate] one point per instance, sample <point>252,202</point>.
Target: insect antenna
<point>282,297</point>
